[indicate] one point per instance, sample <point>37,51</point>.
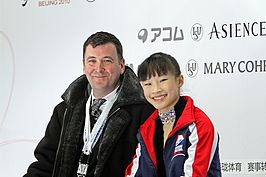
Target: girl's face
<point>163,91</point>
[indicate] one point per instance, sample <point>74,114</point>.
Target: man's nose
<point>99,65</point>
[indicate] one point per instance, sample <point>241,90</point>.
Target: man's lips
<point>96,76</point>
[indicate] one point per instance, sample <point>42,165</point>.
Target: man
<point>77,142</point>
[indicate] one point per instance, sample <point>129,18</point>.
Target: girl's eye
<point>162,80</point>
<point>147,84</point>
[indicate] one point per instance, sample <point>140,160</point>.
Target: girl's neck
<point>168,117</point>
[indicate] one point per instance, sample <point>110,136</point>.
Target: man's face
<point>103,68</point>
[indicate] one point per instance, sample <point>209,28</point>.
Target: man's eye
<point>107,60</point>
<point>91,61</point>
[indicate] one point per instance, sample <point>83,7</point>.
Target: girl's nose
<point>156,87</point>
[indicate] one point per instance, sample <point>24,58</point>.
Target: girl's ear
<point>180,80</point>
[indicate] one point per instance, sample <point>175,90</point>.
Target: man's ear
<point>122,65</point>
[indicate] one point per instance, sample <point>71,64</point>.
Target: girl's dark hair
<point>158,63</point>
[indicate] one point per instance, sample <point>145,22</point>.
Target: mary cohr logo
<point>226,67</point>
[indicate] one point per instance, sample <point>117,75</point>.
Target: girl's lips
<point>159,97</point>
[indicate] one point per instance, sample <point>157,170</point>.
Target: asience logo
<point>238,30</point>
<point>196,32</point>
<point>192,68</point>
<point>161,34</point>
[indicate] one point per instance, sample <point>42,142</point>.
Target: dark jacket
<point>58,152</point>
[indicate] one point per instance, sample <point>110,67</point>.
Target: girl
<point>178,139</point>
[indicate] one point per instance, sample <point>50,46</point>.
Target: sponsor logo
<point>250,167</point>
<point>226,67</point>
<point>238,30</point>
<point>192,68</point>
<point>143,34</point>
<point>179,149</point>
<point>161,34</point>
<point>196,32</point>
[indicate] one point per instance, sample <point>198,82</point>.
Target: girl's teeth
<point>158,98</point>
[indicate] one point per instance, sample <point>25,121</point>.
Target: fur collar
<point>130,90</point>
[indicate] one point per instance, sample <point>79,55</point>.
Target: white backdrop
<point>220,46</point>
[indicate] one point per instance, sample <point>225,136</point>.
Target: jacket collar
<point>187,116</point>
<point>148,128</point>
<point>130,90</point>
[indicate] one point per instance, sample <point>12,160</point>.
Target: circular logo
<point>143,34</point>
<point>7,69</point>
<point>192,68</point>
<point>90,0</point>
<point>196,32</point>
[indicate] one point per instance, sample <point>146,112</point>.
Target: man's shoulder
<point>76,90</point>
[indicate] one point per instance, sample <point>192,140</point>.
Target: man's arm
<point>46,150</point>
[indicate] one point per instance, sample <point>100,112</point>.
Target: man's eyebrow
<point>109,57</point>
<point>93,57</point>
<point>89,57</point>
